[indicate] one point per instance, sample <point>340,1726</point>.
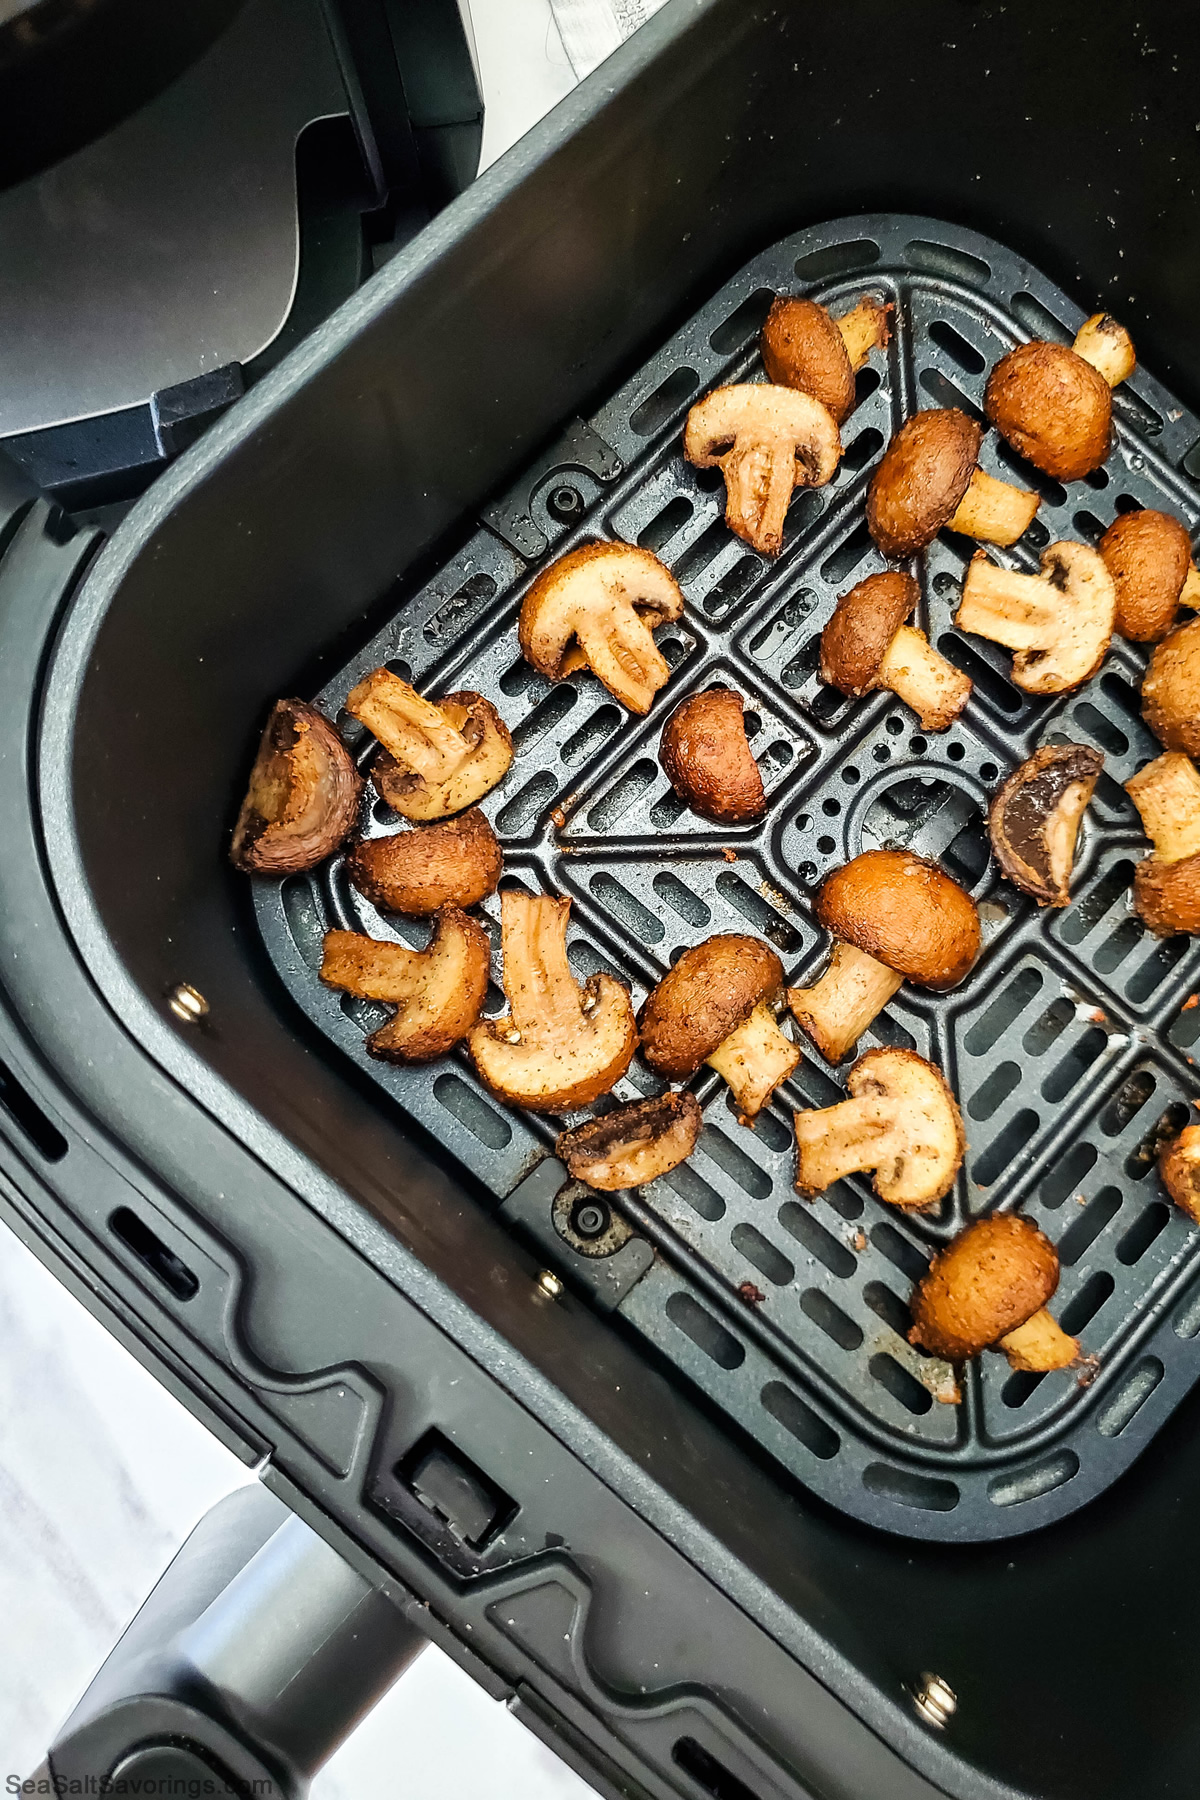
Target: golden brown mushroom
<point>1149,556</point>
<point>1166,885</point>
<point>435,759</point>
<point>766,441</point>
<point>1054,404</point>
<point>437,992</point>
<point>706,758</point>
<point>632,1144</point>
<point>1059,623</point>
<point>1171,689</point>
<point>1179,1166</point>
<point>454,863</point>
<point>901,1121</point>
<point>930,477</point>
<point>893,917</point>
<point>804,348</point>
<point>866,645</point>
<point>303,794</point>
<point>1034,820</point>
<point>596,608</point>
<point>988,1290</point>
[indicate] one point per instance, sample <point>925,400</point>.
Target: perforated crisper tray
<point>1068,1045</point>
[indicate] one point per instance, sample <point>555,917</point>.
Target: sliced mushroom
<point>1054,404</point>
<point>866,645</point>
<point>1059,623</point>
<point>435,759</point>
<point>303,794</point>
<point>988,1290</point>
<point>559,1046</point>
<point>1171,689</point>
<point>803,347</point>
<point>1034,820</point>
<point>1166,885</point>
<point>901,1120</point>
<point>766,441</point>
<point>929,477</point>
<point>1179,1166</point>
<point>893,917</point>
<point>1149,556</point>
<point>706,758</point>
<point>596,608</point>
<point>437,992</point>
<point>632,1144</point>
<point>454,863</point>
<point>715,1007</point>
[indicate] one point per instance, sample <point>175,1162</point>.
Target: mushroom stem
<point>995,511</point>
<point>620,651</point>
<point>413,730</point>
<point>754,1059</point>
<point>1039,1344</point>
<point>1011,609</point>
<point>847,1139</point>
<point>920,676</point>
<point>543,995</point>
<point>863,328</point>
<point>1189,593</point>
<point>839,1007</point>
<point>1107,346</point>
<point>1167,795</point>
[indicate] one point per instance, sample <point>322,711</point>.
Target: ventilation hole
<point>1149,1225</point>
<point>847,556</point>
<point>705,1332</point>
<point>742,324</point>
<point>803,666</point>
<point>304,918</point>
<point>922,1492</point>
<point>453,614</point>
<point>1031,1484</point>
<point>1157,966</point>
<point>1067,1174</point>
<point>1089,526</point>
<point>1083,1231</point>
<point>804,509</point>
<point>865,383</point>
<point>941,389</point>
<point>1129,1400</point>
<point>887,1030</point>
<point>735,1163</point>
<point>988,681</point>
<point>1117,946</point>
<point>674,650</point>
<point>1002,1149</point>
<point>1136,412</point>
<point>663,526</point>
<point>367,1015</point>
<point>755,909</point>
<point>351,730</point>
<point>526,803</point>
<point>626,908</point>
<point>1020,1387</point>
<point>149,1249</point>
<point>895,726</point>
<point>465,1105</point>
<point>968,854</point>
<point>830,1319</point>
<point>955,752</point>
<point>660,406</point>
<point>900,1251</point>
<point>616,803</point>
<point>1082,1308</point>
<point>667,810</point>
<point>1036,535</point>
<point>1186,1028</point>
<point>808,1230</point>
<point>957,348</point>
<point>1007,1006</point>
<point>1038,321</point>
<point>900,1384</point>
<point>775,758</point>
<point>696,558</point>
<point>1187,1319</point>
<point>594,732</point>
<point>850,776</point>
<point>1074,1065</point>
<point>707,1772</point>
<point>858,454</point>
<point>889,1307</point>
<point>838,259</point>
<point>521,677</point>
<point>783,627</point>
<point>843,1199</point>
<point>691,1187</point>
<point>803,1423</point>
<point>1024,473</point>
<point>831,808</point>
<point>763,1255</point>
<point>1102,730</point>
<point>587,961</point>
<point>1049,1028</point>
<point>1086,914</point>
<point>731,587</point>
<point>690,908</point>
<point>1123,694</point>
<point>826,845</point>
<point>1110,795</point>
<point>551,712</point>
<point>1169,1124</point>
<point>995,1090</point>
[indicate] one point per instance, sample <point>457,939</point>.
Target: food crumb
<point>1191,1001</point>
<point>1089,1368</point>
<point>859,1240</point>
<point>558,818</point>
<point>1098,1016</point>
<point>1081,1199</point>
<point>751,1295</point>
<point>728,854</point>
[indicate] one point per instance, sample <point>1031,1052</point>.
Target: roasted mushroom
<point>930,477</point>
<point>435,759</point>
<point>1034,820</point>
<point>1149,556</point>
<point>454,863</point>
<point>559,1046</point>
<point>632,1144</point>
<point>1171,689</point>
<point>596,608</point>
<point>988,1290</point>
<point>302,798</point>
<point>1059,623</point>
<point>437,992</point>
<point>1179,1166</point>
<point>804,348</point>
<point>1166,884</point>
<point>901,1120</point>
<point>766,441</point>
<point>715,1007</point>
<point>893,916</point>
<point>1054,404</point>
<point>866,645</point>
<point>706,758</point>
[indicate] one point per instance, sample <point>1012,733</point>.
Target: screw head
<point>187,1003</point>
<point>591,1218</point>
<point>549,1284</point>
<point>935,1700</point>
<point>565,503</point>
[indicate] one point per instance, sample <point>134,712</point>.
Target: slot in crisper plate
<point>1068,1045</point>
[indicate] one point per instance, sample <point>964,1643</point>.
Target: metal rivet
<point>188,1004</point>
<point>549,1283</point>
<point>935,1700</point>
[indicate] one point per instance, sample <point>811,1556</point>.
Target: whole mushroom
<point>706,757</point>
<point>1034,820</point>
<point>1059,623</point>
<point>805,348</point>
<point>597,608</point>
<point>302,798</point>
<point>766,441</point>
<point>1054,404</point>
<point>988,1290</point>
<point>901,1121</point>
<point>930,477</point>
<point>1149,556</point>
<point>1171,689</point>
<point>632,1144</point>
<point>435,759</point>
<point>437,992</point>
<point>1166,884</point>
<point>456,862</point>
<point>866,645</point>
<point>1179,1166</point>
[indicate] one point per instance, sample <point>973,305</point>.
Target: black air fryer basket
<point>713,1547</point>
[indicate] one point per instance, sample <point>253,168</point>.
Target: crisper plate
<point>1068,1045</point>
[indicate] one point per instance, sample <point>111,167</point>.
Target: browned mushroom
<point>1171,689</point>
<point>1059,623</point>
<point>804,348</point>
<point>634,1143</point>
<point>302,798</point>
<point>1149,556</point>
<point>988,1290</point>
<point>437,992</point>
<point>1054,404</point>
<point>435,759</point>
<point>1034,820</point>
<point>706,758</point>
<point>1166,885</point>
<point>893,917</point>
<point>866,645</point>
<point>930,477</point>
<point>766,441</point>
<point>454,863</point>
<point>1179,1166</point>
<point>715,1007</point>
<point>901,1120</point>
<point>597,608</point>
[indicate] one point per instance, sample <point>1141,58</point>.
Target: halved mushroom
<point>901,1120</point>
<point>435,759</point>
<point>1034,820</point>
<point>715,1007</point>
<point>437,992</point>
<point>1059,623</point>
<point>866,645</point>
<point>559,1046</point>
<point>706,757</point>
<point>1054,404</point>
<point>930,477</point>
<point>596,608</point>
<point>632,1144</point>
<point>1171,689</point>
<point>893,917</point>
<point>1166,885</point>
<point>988,1290</point>
<point>803,347</point>
<point>303,794</point>
<point>1149,556</point>
<point>454,863</point>
<point>1179,1166</point>
<point>766,441</point>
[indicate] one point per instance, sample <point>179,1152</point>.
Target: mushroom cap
<point>1166,895</point>
<point>861,628</point>
<point>706,758</point>
<point>713,988</point>
<point>1051,406</point>
<point>1148,555</point>
<point>438,992</point>
<point>906,913</point>
<point>596,607</point>
<point>454,863</point>
<point>1179,1166</point>
<point>766,441</point>
<point>302,798</point>
<point>924,474</point>
<point>1034,819</point>
<point>1171,689</point>
<point>632,1144</point>
<point>993,1277</point>
<point>802,348</point>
